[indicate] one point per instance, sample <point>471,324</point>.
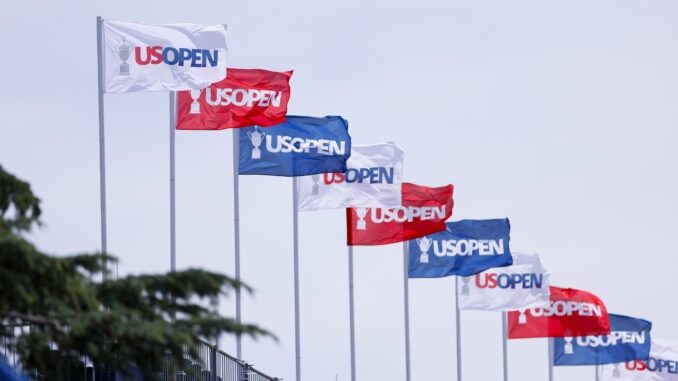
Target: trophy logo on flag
<point>568,346</point>
<point>195,106</point>
<point>522,318</point>
<point>316,179</point>
<point>362,212</point>
<point>616,373</point>
<point>424,244</point>
<point>256,138</point>
<point>124,51</point>
<point>465,289</point>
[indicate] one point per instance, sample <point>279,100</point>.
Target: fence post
<point>214,362</point>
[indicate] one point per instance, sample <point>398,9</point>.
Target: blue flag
<point>300,146</point>
<point>629,340</point>
<point>465,248</point>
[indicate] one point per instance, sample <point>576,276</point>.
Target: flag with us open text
<point>629,340</point>
<point>662,365</point>
<point>301,146</point>
<point>569,313</point>
<point>423,211</point>
<point>246,97</point>
<point>463,247</point>
<point>170,57</point>
<point>373,178</point>
<point>524,284</point>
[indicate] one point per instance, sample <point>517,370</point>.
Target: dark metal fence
<point>211,364</point>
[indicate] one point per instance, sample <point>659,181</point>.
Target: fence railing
<point>211,364</point>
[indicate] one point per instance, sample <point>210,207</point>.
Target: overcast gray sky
<point>560,115</point>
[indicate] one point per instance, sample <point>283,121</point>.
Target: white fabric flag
<point>661,366</point>
<point>373,180</point>
<point>172,57</point>
<point>523,285</point>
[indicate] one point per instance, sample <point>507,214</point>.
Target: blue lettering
<point>355,178</point>
<point>374,175</point>
<point>537,279</point>
<point>175,56</point>
<point>185,55</point>
<point>507,283</point>
<point>652,364</point>
<point>516,278</point>
<point>195,61</point>
<point>364,173</point>
<point>207,57</point>
<point>387,174</point>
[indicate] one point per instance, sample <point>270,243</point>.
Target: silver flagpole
<point>173,226</point>
<point>295,219</point>
<point>504,342</point>
<point>102,145</point>
<point>351,310</point>
<point>458,322</point>
<point>597,372</point>
<point>550,358</point>
<point>236,231</point>
<point>406,270</point>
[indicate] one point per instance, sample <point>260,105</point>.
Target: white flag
<point>172,57</point>
<point>373,180</point>
<point>661,366</point>
<point>523,285</point>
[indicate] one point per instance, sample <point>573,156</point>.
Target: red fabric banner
<point>570,313</point>
<point>246,97</point>
<point>424,211</point>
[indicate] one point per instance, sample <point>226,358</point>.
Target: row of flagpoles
<point>328,171</point>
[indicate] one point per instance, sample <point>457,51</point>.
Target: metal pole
<point>295,218</point>
<point>102,145</point>
<point>458,322</point>
<point>351,310</point>
<point>406,291</point>
<point>504,342</point>
<point>550,358</point>
<point>236,240</point>
<point>597,368</point>
<point>173,226</point>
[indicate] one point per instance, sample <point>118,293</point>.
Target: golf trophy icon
<point>195,106</point>
<point>424,244</point>
<point>522,318</point>
<point>568,346</point>
<point>616,373</point>
<point>256,137</point>
<point>465,289</point>
<point>362,212</point>
<point>124,51</point>
<point>316,179</point>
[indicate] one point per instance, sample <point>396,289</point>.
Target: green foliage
<point>148,320</point>
<point>16,194</point>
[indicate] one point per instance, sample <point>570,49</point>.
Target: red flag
<point>246,97</point>
<point>570,313</point>
<point>423,212</point>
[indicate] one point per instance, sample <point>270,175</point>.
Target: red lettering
<point>640,365</point>
<point>492,281</point>
<point>630,365</point>
<point>156,53</point>
<point>137,56</point>
<point>330,178</point>
<point>479,283</point>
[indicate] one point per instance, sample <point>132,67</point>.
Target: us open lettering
<point>562,308</point>
<point>155,55</point>
<point>286,144</point>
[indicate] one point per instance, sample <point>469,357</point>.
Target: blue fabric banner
<point>465,248</point>
<point>629,340</point>
<point>300,146</point>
